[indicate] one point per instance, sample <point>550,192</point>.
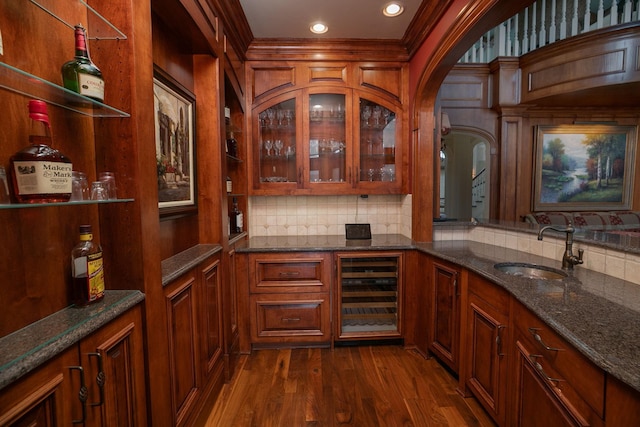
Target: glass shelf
<point>233,158</point>
<point>18,81</point>
<point>98,27</point>
<point>42,205</point>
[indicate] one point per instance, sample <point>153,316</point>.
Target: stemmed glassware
<point>377,111</point>
<point>270,115</point>
<point>385,114</point>
<point>366,113</point>
<point>268,145</point>
<point>278,146</point>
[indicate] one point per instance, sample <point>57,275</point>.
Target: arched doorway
<point>465,171</point>
<point>461,26</point>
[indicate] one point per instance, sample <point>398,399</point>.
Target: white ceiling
<point>347,19</point>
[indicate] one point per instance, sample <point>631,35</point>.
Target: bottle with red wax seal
<point>39,172</point>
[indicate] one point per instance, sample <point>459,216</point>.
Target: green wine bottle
<point>80,74</point>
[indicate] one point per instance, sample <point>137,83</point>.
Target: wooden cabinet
<point>98,382</point>
<point>553,384</point>
<point>368,295</point>
<point>332,138</point>
<point>194,324</point>
<point>289,298</point>
<point>487,346</point>
<point>444,328</point>
<point>230,310</point>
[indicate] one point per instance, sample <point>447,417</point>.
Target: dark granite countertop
<point>26,349</point>
<point>177,265</point>
<point>326,243</point>
<point>596,313</point>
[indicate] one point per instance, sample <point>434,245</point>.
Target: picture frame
<point>174,115</point>
<point>582,167</point>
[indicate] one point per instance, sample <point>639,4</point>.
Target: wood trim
<point>326,50</point>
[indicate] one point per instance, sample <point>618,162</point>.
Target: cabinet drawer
<point>290,273</point>
<point>561,360</point>
<point>290,318</point>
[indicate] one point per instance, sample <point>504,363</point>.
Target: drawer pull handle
<point>540,369</point>
<point>291,319</point>
<point>499,341</point>
<point>289,273</point>
<point>537,337</point>
<point>83,394</point>
<point>100,378</point>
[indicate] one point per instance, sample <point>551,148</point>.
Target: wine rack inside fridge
<point>369,295</point>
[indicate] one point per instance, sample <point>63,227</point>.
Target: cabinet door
<point>230,315</point>
<point>212,316</point>
<point>47,397</point>
<point>182,319</point>
<point>276,165</point>
<point>445,329</point>
<point>378,145</point>
<point>535,403</point>
<point>486,356</point>
<point>113,361</point>
<point>327,141</point>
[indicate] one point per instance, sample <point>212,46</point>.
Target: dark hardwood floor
<point>365,386</point>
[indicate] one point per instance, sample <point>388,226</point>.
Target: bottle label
<point>36,177</point>
<point>239,221</point>
<point>90,268</point>
<point>91,86</point>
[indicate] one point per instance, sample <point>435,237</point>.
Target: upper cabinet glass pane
<point>327,138</point>
<point>377,142</point>
<point>277,143</point>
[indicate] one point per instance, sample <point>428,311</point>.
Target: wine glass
<point>278,146</point>
<point>385,115</point>
<point>366,113</point>
<point>377,111</point>
<point>270,116</point>
<point>268,145</point>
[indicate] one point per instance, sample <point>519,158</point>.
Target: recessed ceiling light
<point>393,9</point>
<point>319,28</point>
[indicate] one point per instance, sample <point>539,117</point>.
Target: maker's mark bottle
<point>40,173</point>
<point>80,74</point>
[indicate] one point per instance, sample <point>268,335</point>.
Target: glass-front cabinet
<point>377,149</point>
<point>327,149</point>
<point>315,141</point>
<point>275,144</point>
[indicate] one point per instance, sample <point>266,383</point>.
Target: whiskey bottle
<point>87,269</point>
<point>80,74</point>
<point>236,218</point>
<point>40,173</point>
<point>232,145</point>
<point>229,185</point>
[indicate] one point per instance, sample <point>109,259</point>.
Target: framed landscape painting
<point>584,167</point>
<point>174,112</point>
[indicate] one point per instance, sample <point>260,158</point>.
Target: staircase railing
<point>548,21</point>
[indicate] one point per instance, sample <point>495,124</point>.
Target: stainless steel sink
<point>530,271</point>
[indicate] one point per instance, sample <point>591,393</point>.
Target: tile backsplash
<point>327,215</point>
<point>620,264</point>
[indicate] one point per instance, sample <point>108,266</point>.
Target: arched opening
<point>462,25</point>
<point>465,176</point>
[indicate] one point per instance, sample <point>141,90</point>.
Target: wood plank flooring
<point>364,386</point>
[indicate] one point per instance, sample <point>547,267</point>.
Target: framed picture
<point>174,112</point>
<point>584,167</point>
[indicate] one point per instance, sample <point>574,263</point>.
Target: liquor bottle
<point>40,173</point>
<point>232,145</point>
<point>236,219</point>
<point>229,185</point>
<point>80,74</point>
<point>87,269</point>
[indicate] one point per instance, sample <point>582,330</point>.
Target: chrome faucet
<point>568,259</point>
